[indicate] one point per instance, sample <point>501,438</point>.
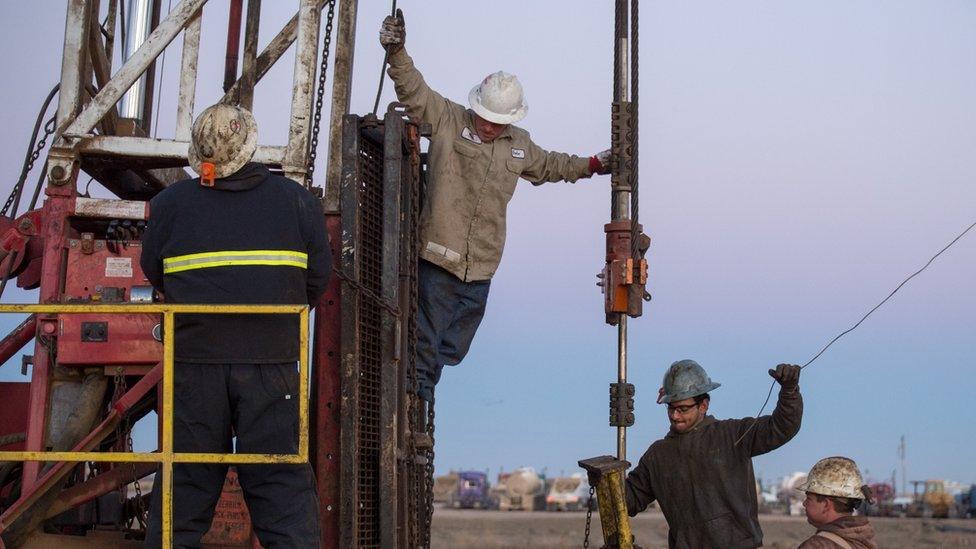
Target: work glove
<point>787,375</point>
<point>393,33</point>
<point>600,163</point>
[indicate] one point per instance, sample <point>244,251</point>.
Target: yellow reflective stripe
<point>207,260</point>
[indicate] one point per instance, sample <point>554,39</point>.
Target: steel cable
<point>386,59</point>
<point>34,148</point>
<point>858,323</point>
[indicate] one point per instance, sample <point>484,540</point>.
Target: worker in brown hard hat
<point>236,235</point>
<point>477,155</point>
<point>701,472</point>
<point>834,490</point>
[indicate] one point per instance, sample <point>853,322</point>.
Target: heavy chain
<point>317,118</point>
<point>634,154</point>
<point>589,516</point>
<point>41,143</point>
<point>429,496</point>
<point>421,484</point>
<point>123,442</point>
<point>379,300</point>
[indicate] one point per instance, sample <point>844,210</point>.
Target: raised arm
<point>767,433</point>
<point>411,89</point>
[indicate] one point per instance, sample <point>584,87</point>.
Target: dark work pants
<point>450,311</point>
<point>260,403</point>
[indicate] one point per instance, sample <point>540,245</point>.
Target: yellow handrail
<point>167,457</point>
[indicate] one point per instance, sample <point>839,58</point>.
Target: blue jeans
<point>450,311</point>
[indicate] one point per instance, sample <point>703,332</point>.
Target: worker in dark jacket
<point>834,490</point>
<point>701,473</point>
<point>237,235</point>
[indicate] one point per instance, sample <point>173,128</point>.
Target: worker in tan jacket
<point>476,157</point>
<point>834,490</point>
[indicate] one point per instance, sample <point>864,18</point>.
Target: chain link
<point>589,516</point>
<point>379,300</point>
<point>123,443</point>
<point>430,474</point>
<point>41,143</point>
<point>317,119</point>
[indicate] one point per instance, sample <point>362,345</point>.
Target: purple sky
<point>797,162</point>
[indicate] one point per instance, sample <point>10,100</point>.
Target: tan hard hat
<point>834,476</point>
<point>225,136</point>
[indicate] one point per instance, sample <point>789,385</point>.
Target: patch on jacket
<point>439,249</point>
<point>518,153</point>
<point>470,135</point>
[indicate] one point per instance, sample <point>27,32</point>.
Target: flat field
<point>474,528</point>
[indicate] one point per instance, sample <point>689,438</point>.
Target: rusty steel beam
<point>110,94</point>
<point>98,486</point>
<point>250,53</point>
<point>17,338</point>
<point>161,152</point>
<point>233,42</point>
<point>350,337</point>
<point>28,511</point>
<point>303,90</point>
<point>76,30</point>
<point>326,395</point>
<point>341,90</point>
<point>188,78</point>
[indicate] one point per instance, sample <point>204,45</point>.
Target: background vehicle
<point>568,493</point>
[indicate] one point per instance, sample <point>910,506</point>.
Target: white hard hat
<point>834,476</point>
<point>225,136</point>
<point>499,99</point>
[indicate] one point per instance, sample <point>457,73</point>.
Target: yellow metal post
<point>167,443</point>
<point>606,473</point>
<point>303,385</point>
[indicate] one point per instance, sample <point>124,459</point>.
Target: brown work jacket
<point>856,531</point>
<point>462,223</point>
<point>705,484</point>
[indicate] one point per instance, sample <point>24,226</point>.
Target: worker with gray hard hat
<point>236,235</point>
<point>701,473</point>
<point>834,490</point>
<point>476,157</point>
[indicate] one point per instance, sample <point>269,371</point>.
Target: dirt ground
<point>456,528</point>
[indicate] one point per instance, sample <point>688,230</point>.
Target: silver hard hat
<point>225,136</point>
<point>686,379</point>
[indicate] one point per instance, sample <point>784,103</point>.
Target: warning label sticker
<point>118,267</point>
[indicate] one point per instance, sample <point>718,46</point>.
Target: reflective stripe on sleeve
<point>235,258</point>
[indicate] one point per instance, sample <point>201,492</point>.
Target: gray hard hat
<point>686,379</point>
<point>225,136</point>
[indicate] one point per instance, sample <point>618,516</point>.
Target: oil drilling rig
<point>97,343</point>
<point>99,346</point>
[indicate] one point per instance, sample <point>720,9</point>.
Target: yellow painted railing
<point>167,457</point>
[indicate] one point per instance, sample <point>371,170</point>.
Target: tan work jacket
<point>462,225</point>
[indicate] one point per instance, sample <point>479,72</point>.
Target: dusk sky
<point>798,160</point>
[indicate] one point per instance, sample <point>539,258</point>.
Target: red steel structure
<point>92,376</point>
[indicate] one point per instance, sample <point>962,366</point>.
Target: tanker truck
<point>521,490</point>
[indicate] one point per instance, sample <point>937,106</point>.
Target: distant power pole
<point>901,455</point>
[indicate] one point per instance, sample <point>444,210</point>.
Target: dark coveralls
<point>705,484</point>
<point>254,238</point>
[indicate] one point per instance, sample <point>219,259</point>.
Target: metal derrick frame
<point>84,52</point>
<point>148,165</point>
<point>164,372</point>
<point>382,429</point>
